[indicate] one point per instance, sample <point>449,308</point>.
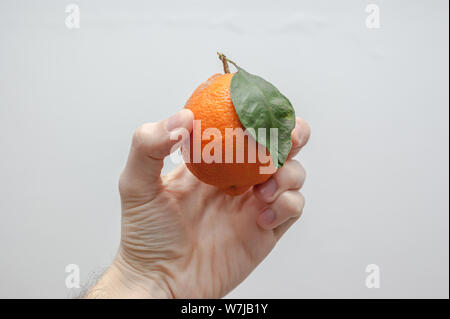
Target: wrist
<point>122,281</point>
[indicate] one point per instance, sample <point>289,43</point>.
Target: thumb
<point>152,142</point>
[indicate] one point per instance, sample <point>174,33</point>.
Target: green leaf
<point>259,104</point>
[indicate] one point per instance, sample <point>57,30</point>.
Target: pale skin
<point>182,238</point>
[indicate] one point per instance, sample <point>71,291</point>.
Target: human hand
<point>182,238</point>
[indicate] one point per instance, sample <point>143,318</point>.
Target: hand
<point>182,238</point>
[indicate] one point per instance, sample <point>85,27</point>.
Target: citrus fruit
<point>231,146</point>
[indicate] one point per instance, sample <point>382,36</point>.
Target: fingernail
<point>267,217</point>
<point>175,121</point>
<point>268,188</point>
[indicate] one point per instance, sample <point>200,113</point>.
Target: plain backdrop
<point>377,162</point>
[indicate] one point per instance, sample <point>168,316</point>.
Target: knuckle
<point>302,175</point>
<point>294,174</point>
<point>302,200</point>
<point>124,184</point>
<point>142,136</point>
<point>295,202</point>
<point>298,205</point>
<point>298,168</point>
<point>306,131</point>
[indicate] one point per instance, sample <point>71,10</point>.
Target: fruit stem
<point>223,58</point>
<point>225,61</point>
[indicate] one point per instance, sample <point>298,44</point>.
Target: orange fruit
<point>211,103</point>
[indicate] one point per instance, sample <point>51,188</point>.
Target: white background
<point>377,162</point>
